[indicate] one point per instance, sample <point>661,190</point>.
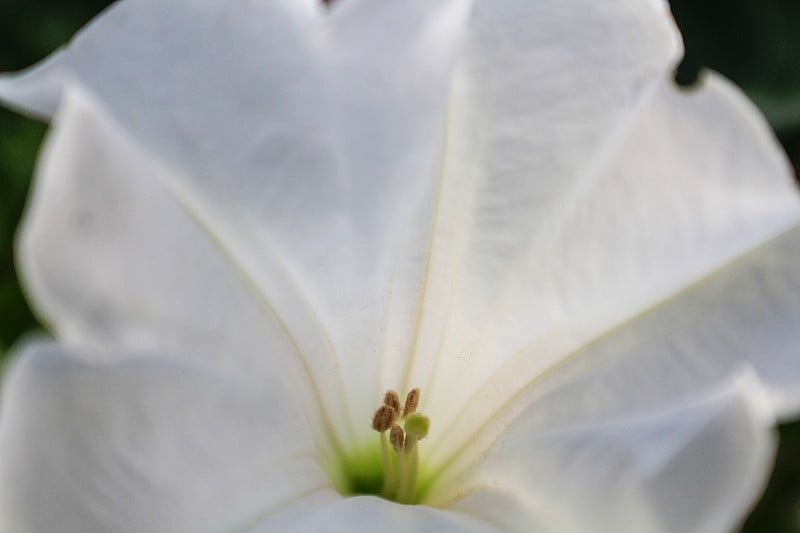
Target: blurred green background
<point>754,42</point>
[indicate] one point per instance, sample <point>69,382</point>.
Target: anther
<point>412,402</point>
<point>392,399</point>
<point>397,438</point>
<point>383,418</point>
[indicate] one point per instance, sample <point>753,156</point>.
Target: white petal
<point>310,140</point>
<point>144,445</point>
<point>542,93</point>
<point>744,315</point>
<point>697,181</point>
<point>94,56</point>
<point>111,259</point>
<point>367,513</point>
<point>689,468</point>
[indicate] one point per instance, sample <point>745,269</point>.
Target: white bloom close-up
<point>250,220</point>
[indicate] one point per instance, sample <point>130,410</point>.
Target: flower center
<point>401,463</point>
<point>395,474</point>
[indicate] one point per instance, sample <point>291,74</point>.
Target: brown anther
<point>383,418</point>
<point>392,399</point>
<point>412,402</point>
<point>397,438</point>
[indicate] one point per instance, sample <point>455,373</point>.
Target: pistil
<point>417,427</point>
<point>401,471</point>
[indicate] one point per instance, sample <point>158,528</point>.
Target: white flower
<point>253,218</point>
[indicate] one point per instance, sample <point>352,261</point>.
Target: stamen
<point>400,472</point>
<point>383,418</point>
<point>392,399</point>
<point>397,438</point>
<point>388,468</point>
<point>412,402</point>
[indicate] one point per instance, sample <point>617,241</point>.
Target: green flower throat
<point>393,473</point>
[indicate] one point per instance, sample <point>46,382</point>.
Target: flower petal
<point>112,259</point>
<point>543,92</point>
<point>368,513</point>
<point>309,140</point>
<point>691,467</point>
<point>129,60</point>
<point>745,314</point>
<point>144,445</point>
<point>696,182</point>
